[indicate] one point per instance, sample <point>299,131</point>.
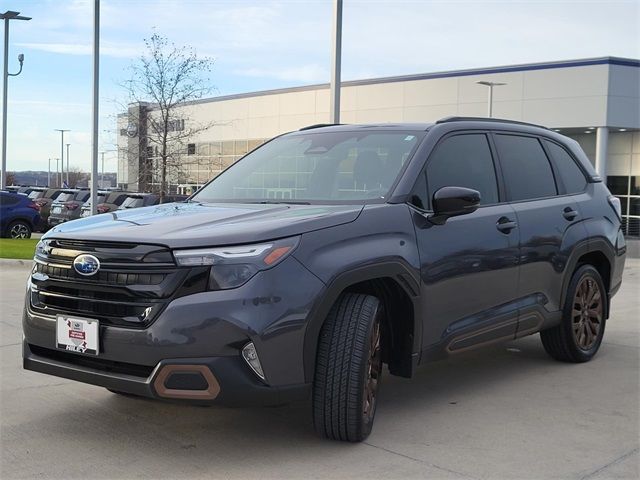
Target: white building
<point>596,101</point>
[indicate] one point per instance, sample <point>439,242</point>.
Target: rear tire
<point>19,229</point>
<point>579,335</point>
<point>348,369</point>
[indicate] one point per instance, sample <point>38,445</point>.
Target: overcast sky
<point>260,45</point>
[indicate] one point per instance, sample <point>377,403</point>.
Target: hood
<point>185,225</point>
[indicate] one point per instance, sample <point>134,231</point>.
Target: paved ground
<point>506,412</point>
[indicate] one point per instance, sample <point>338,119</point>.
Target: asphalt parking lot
<point>506,412</point>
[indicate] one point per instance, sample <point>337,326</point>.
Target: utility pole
<point>7,16</point>
<point>336,62</point>
<point>94,108</point>
<point>49,174</point>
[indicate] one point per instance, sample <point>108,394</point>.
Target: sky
<point>261,45</point>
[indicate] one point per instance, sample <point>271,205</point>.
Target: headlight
<point>232,267</point>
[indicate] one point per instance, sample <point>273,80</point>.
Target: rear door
<point>549,222</point>
<point>469,264</point>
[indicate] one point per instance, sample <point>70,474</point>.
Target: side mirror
<point>452,202</point>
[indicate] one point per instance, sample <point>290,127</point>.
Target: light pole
<point>336,62</point>
<point>490,100</point>
<point>7,16</point>
<point>95,106</point>
<point>62,149</point>
<point>68,167</point>
<point>49,174</point>
<point>58,184</point>
<point>102,170</point>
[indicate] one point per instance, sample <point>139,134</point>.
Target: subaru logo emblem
<point>86,264</point>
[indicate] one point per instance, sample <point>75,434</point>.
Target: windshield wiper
<point>277,202</point>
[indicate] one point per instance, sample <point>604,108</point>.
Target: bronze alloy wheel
<point>586,316</point>
<point>373,371</point>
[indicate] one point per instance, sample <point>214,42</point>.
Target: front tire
<point>579,335</point>
<point>348,369</point>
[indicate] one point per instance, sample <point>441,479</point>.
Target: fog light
<point>251,357</point>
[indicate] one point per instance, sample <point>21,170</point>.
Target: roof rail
<point>486,119</point>
<point>319,125</point>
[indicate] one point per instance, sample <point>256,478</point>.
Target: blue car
<point>19,215</point>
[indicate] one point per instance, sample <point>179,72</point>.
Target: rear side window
<point>116,198</point>
<point>64,197</point>
<point>526,168</point>
<point>571,175</point>
<point>133,202</point>
<point>463,161</point>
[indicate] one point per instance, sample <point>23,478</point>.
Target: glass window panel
<point>526,168</point>
<point>618,185</point>
<point>572,177</point>
<point>463,161</point>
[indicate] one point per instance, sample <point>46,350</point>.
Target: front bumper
<point>204,329</point>
<point>237,386</point>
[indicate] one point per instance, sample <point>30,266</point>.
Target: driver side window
<point>459,161</point>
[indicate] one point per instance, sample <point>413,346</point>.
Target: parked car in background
<point>19,215</point>
<point>110,203</point>
<point>85,211</point>
<point>67,206</point>
<point>138,200</point>
<point>44,198</point>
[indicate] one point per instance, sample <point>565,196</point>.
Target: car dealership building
<point>595,101</point>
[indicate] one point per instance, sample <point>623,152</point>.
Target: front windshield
<point>336,166</point>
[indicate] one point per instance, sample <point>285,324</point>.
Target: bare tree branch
<point>167,77</point>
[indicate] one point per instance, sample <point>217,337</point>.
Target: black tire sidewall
<point>368,425</point>
<point>580,274</point>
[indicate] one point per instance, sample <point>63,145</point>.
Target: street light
<point>62,151</point>
<point>102,174</point>
<point>490,100</point>
<point>57,174</point>
<point>7,16</point>
<point>336,63</point>
<point>68,167</point>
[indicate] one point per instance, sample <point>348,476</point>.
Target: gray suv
<point>326,253</point>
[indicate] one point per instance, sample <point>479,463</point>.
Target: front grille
<point>114,278</point>
<point>134,283</point>
<point>96,363</point>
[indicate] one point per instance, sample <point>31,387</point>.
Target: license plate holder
<point>79,335</point>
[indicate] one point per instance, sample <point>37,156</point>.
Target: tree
<point>11,178</point>
<point>166,77</point>
<point>77,177</point>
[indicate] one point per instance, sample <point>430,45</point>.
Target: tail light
<point>34,205</point>
<point>102,209</point>
<point>70,206</point>
<point>615,204</point>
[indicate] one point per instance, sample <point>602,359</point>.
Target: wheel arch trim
<point>396,270</point>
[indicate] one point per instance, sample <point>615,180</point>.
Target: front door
<point>469,265</point>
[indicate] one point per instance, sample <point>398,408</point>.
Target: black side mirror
<point>452,202</point>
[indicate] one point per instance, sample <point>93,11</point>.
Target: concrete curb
<point>15,262</point>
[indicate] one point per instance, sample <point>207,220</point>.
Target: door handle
<point>569,213</point>
<point>505,225</point>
